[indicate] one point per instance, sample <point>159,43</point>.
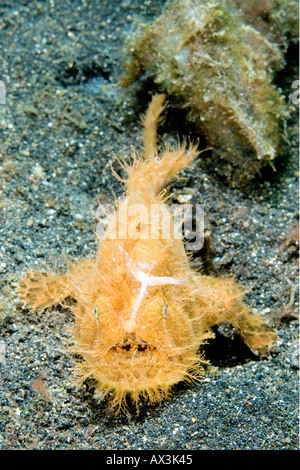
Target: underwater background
<point>64,120</point>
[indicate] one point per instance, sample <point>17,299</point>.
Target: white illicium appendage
<point>146,280</point>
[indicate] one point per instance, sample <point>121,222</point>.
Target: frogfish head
<point>138,355</point>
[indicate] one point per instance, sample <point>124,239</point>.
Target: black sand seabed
<point>60,129</point>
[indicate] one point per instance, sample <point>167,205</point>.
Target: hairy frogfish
<point>141,312</point>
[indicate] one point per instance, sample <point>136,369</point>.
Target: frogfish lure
<point>141,312</point>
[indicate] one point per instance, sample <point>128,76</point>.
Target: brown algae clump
<point>221,68</point>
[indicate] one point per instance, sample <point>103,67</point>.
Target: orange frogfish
<point>141,312</point>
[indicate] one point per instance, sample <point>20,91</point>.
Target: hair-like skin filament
<point>141,312</point>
